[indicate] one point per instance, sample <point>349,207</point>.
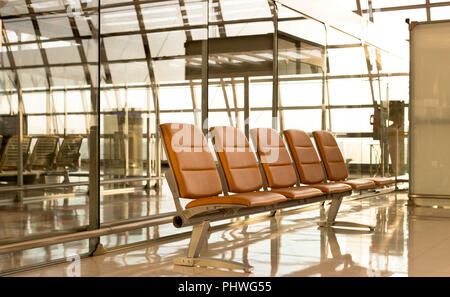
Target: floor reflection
<point>405,242</point>
<point>52,213</point>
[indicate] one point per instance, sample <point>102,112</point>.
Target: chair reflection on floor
<point>244,241</point>
<point>339,264</point>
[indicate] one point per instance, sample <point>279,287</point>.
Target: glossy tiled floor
<point>407,241</point>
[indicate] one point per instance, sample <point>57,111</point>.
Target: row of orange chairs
<point>193,175</point>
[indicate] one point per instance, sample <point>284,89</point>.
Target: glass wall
<point>83,90</point>
<point>240,63</point>
<point>347,86</point>
<point>302,69</point>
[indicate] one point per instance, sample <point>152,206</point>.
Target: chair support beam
<point>198,239</point>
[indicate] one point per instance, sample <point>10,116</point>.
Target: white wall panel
<point>430,109</point>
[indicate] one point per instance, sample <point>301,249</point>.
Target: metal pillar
<point>20,160</point>
<point>154,85</point>
<point>275,86</point>
<point>94,148</point>
<point>18,86</point>
<point>149,162</point>
<point>205,107</point>
<point>227,102</point>
<point>247,106</point>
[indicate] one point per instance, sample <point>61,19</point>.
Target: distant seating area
<point>46,157</point>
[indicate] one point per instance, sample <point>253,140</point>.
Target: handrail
<point>30,244</point>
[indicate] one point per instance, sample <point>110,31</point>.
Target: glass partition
<point>80,109</point>
<point>301,68</point>
<point>359,88</point>
<point>152,74</point>
<point>48,113</point>
<point>351,92</point>
<point>240,63</point>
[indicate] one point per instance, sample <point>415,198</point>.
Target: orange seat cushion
<point>332,188</point>
<point>298,192</point>
<point>359,184</point>
<point>382,181</point>
<point>250,199</point>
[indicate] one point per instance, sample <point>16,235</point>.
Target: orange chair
<point>335,165</point>
<point>277,169</point>
<point>193,175</point>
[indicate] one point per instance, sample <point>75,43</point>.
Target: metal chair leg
<point>198,238</point>
<point>331,216</point>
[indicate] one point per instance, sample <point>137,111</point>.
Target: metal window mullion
<point>325,75</point>
<point>358,7</point>
<point>194,102</point>
<point>223,34</point>
<point>408,7</point>
<point>333,77</point>
<point>275,87</point>
<point>153,83</point>
<point>42,51</point>
<point>227,102</point>
<point>8,95</point>
<point>205,98</point>
<point>18,86</point>
<point>235,102</point>
<point>53,111</point>
<point>93,128</point>
<point>219,13</point>
<point>158,30</point>
<point>369,3</point>
<point>188,33</point>
<point>103,56</point>
<point>247,106</point>
<point>130,3</point>
<point>81,52</point>
<point>427,2</point>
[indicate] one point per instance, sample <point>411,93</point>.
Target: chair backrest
<point>10,153</point>
<point>305,157</point>
<point>274,157</point>
<point>69,151</point>
<point>191,161</point>
<point>331,155</point>
<point>44,151</point>
<point>238,160</point>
